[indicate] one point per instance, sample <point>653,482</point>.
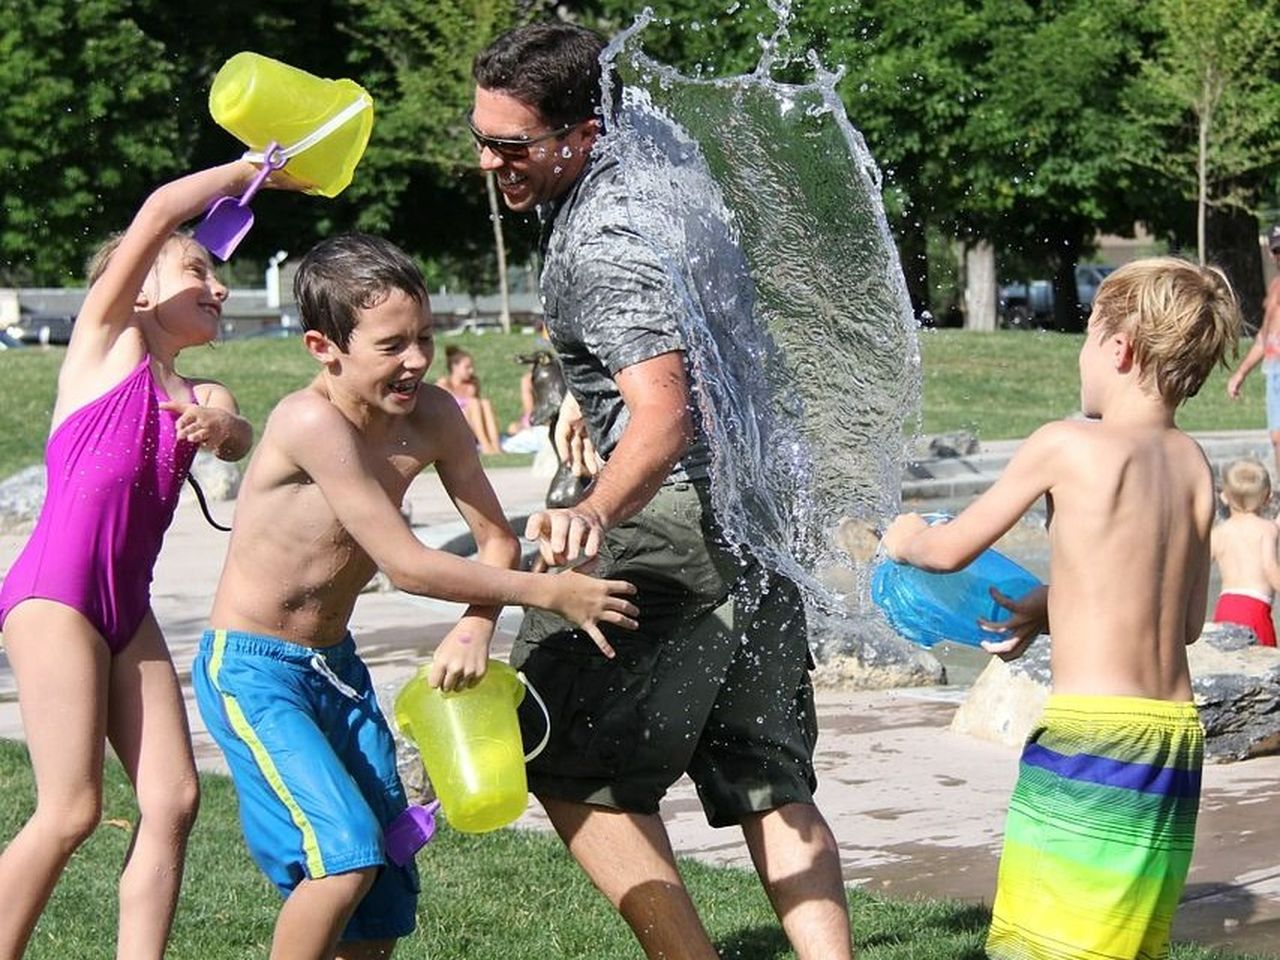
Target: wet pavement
<point>918,810</point>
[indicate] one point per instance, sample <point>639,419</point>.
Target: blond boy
<point>1244,548</point>
<point>1101,824</point>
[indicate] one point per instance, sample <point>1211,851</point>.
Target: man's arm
<point>658,431</point>
<point>1257,351</point>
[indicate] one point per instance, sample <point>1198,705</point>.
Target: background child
<point>1102,821</point>
<point>1244,547</point>
<point>464,386</point>
<point>86,652</point>
<point>277,679</point>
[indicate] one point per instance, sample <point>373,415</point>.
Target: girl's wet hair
<point>348,273</point>
<point>1182,319</point>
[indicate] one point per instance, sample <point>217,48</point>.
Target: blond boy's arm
<point>951,546</point>
<point>1270,563</point>
<point>1198,602</point>
<point>462,657</point>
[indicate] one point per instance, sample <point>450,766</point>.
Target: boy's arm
<point>951,546</point>
<point>1198,602</point>
<point>462,656</point>
<point>213,421</point>
<point>1270,565</point>
<point>323,443</point>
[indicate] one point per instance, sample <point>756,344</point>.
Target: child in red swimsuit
<point>87,655</point>
<point>1244,548</point>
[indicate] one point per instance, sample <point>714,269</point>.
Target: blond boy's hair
<point>1246,485</point>
<point>1182,320</point>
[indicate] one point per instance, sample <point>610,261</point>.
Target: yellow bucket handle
<point>351,110</point>
<point>545,715</point>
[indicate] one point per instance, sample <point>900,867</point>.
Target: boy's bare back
<point>294,568</point>
<point>1132,508</point>
<point>1244,547</point>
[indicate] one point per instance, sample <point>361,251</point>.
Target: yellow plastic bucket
<point>258,100</point>
<point>470,744</point>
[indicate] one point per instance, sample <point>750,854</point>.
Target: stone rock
<point>862,652</point>
<point>218,479</point>
<point>1006,699</point>
<point>1236,685</point>
<point>21,497</point>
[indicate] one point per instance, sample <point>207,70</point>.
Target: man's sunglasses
<point>515,148</point>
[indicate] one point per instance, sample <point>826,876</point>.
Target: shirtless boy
<point>1102,820</point>
<point>277,678</point>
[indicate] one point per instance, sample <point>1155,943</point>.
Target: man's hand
<point>566,535</point>
<point>1030,619</point>
<point>208,427</point>
<point>463,655</point>
<point>572,443</point>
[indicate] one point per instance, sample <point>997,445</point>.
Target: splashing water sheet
<point>764,204</point>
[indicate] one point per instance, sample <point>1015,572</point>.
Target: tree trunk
<point>1232,236</point>
<point>913,250</point>
<point>1066,298</point>
<point>980,287</point>
<point>1202,174</point>
<point>495,214</point>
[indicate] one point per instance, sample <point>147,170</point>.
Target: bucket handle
<point>542,745</point>
<point>352,109</point>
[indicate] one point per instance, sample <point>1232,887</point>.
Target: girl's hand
<point>210,428</point>
<point>589,601</point>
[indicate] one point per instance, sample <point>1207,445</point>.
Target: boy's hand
<point>1030,619</point>
<point>565,535</point>
<point>903,529</point>
<point>462,657</point>
<point>589,601</point>
<point>207,427</point>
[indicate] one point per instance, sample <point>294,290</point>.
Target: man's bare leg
<point>628,857</point>
<point>796,856</point>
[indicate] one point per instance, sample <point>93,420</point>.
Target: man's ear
<point>321,347</point>
<point>591,130</point>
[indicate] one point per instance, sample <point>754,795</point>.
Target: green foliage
<point>85,128</point>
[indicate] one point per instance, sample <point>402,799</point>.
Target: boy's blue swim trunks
<point>314,765</point>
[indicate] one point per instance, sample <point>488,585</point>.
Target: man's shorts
<point>1271,373</point>
<point>314,765</point>
<point>714,683</point>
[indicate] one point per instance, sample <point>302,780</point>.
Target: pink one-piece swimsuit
<point>115,468</point>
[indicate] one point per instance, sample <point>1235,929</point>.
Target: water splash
<point>765,204</point>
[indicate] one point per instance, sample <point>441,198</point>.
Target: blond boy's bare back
<point>1132,512</point>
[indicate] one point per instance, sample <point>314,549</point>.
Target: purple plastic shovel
<point>411,831</point>
<point>230,218</point>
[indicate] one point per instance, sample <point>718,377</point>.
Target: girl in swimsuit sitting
<point>90,663</point>
<point>463,384</point>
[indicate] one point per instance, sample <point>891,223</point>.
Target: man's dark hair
<point>553,67</point>
<point>348,273</point>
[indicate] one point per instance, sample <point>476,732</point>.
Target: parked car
<point>1026,306</point>
<point>43,328</point>
<point>9,342</point>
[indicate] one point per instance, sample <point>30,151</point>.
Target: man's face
<point>547,168</point>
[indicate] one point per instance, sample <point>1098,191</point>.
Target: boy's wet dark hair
<point>553,67</point>
<point>348,273</point>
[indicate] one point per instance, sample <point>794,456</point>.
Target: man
<point>715,682</point>
<point>1266,350</point>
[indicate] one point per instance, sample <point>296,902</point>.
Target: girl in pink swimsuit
<point>86,652</point>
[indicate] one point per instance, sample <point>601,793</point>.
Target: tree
<point>1208,105</point>
<point>85,131</point>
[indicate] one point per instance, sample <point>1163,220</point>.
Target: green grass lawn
<point>999,385</point>
<point>508,895</point>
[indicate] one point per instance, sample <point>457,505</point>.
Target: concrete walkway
<point>917,809</point>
